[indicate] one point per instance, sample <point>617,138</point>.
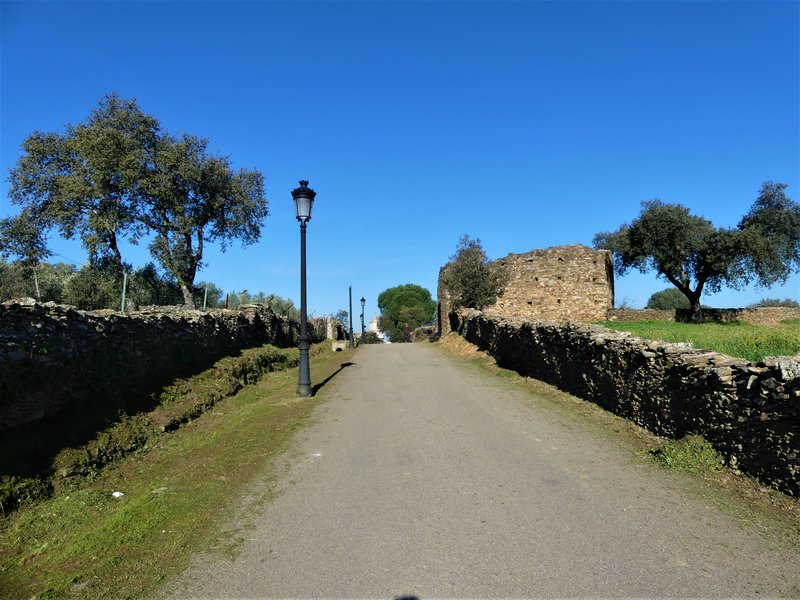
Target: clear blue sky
<point>526,124</point>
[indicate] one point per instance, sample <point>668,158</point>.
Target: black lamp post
<point>363,302</point>
<point>303,201</point>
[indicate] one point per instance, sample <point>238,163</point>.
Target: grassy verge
<point>69,448</point>
<point>743,340</point>
<point>694,465</point>
<point>85,543</point>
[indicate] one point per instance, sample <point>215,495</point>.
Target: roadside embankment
<point>750,412</point>
<point>79,389</point>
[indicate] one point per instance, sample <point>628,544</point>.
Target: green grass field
<point>743,340</point>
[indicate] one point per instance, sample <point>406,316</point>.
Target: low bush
<point>690,454</point>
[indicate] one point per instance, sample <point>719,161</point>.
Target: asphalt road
<point>422,477</point>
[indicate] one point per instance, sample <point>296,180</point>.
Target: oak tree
<point>470,279</point>
<point>194,198</point>
<point>404,307</point>
<point>87,180</point>
<point>693,255</point>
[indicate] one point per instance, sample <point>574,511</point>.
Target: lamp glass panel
<point>302,205</point>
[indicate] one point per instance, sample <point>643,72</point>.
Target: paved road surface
<point>422,477</point>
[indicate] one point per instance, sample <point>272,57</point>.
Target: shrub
<point>668,299</point>
<point>691,454</point>
<point>470,279</point>
<point>775,302</point>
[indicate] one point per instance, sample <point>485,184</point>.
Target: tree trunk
<point>188,300</point>
<point>695,309</point>
<point>115,254</point>
<point>36,283</point>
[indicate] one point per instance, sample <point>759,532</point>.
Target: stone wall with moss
<point>53,357</point>
<point>750,412</point>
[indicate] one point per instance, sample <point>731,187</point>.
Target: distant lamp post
<point>363,302</point>
<point>303,201</point>
<point>350,293</point>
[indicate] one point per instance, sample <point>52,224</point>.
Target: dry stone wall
<point>756,316</point>
<point>645,314</point>
<point>52,356</point>
<point>749,412</point>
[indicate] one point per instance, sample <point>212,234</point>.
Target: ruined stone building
<point>561,283</point>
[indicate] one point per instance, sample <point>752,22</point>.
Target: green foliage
<point>771,236</point>
<point>87,180</point>
<point>116,175</point>
<point>283,307</point>
<point>20,236</point>
<point>99,287</point>
<point>371,337</point>
<point>743,340</point>
<point>667,299</point>
<point>693,255</point>
<point>147,286</point>
<point>470,279</point>
<point>213,299</point>
<point>94,288</point>
<point>194,198</point>
<point>685,249</point>
<point>690,454</point>
<point>16,280</point>
<point>404,306</point>
<point>343,317</point>
<point>776,302</point>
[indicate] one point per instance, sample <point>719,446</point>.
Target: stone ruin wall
<point>562,283</point>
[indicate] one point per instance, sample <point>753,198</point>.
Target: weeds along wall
<point>749,412</point>
<point>54,357</point>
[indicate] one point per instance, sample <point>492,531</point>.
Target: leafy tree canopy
<point>280,306</point>
<point>408,305</point>
<point>668,299</point>
<point>194,198</point>
<point>371,337</point>
<point>16,281</point>
<point>693,255</point>
<point>87,180</point>
<point>770,236</point>
<point>118,175</point>
<point>470,279</point>
<point>20,237</point>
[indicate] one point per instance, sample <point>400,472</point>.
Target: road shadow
<point>341,368</point>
